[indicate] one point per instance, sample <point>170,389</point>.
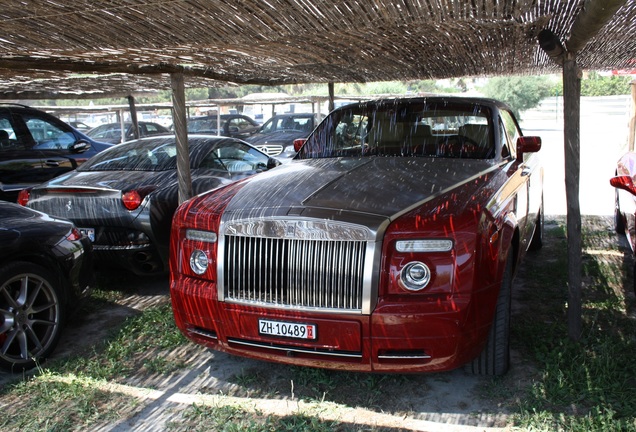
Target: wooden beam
<point>592,18</point>
<point>571,128</point>
<point>52,94</point>
<point>181,135</point>
<point>550,43</point>
<point>27,63</point>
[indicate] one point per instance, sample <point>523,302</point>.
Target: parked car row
<point>381,244</point>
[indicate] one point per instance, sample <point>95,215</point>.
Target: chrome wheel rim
<point>29,318</point>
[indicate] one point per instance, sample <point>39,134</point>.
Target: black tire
<point>495,357</point>
<point>31,315</point>
<point>619,218</point>
<point>536,242</point>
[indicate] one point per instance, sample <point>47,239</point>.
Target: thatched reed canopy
<point>61,44</point>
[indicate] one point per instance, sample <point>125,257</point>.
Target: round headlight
<point>198,261</point>
<point>415,276</point>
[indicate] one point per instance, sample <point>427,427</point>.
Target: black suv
<point>36,146</point>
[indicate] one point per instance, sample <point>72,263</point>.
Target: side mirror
<point>272,163</point>
<point>624,182</point>
<point>527,144</point>
<point>79,147</point>
<point>233,129</point>
<point>298,143</point>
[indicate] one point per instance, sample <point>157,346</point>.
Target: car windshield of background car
<point>202,125</point>
<point>108,131</point>
<point>235,157</point>
<point>404,130</point>
<point>140,156</point>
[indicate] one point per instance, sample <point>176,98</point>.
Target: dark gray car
<point>124,198</point>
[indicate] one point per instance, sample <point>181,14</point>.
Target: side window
<point>151,128</point>
<point>235,157</point>
<point>7,134</point>
<point>239,123</point>
<point>48,135</point>
<point>509,134</point>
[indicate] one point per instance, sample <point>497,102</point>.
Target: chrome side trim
<point>346,354</point>
<point>404,357</point>
<point>201,332</point>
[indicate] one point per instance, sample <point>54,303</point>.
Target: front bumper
<point>425,338</point>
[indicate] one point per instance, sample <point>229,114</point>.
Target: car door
<point>529,195</point>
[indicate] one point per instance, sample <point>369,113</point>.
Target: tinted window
<point>48,136</point>
<point>143,156</point>
<point>406,129</point>
<point>107,131</point>
<point>235,156</point>
<point>511,131</point>
<point>7,134</point>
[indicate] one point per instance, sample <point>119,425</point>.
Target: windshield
<point>300,123</point>
<point>404,128</point>
<point>140,156</point>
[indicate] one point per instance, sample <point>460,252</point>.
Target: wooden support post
<point>181,135</point>
<point>632,121</point>
<point>572,123</point>
<point>133,116</point>
<point>331,96</point>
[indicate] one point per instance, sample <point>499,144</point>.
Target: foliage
<point>519,92</point>
<point>594,84</point>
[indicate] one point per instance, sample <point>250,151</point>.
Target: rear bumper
<point>421,339</point>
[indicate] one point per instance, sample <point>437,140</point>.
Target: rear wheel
<point>495,358</point>
<point>31,315</point>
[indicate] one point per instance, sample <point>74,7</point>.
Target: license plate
<point>88,232</point>
<point>287,329</point>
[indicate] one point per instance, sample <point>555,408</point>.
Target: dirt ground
<point>451,401</point>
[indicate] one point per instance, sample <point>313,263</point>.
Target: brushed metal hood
<point>372,187</point>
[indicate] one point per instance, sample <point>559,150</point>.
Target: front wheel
<point>31,315</point>
<point>495,358</point>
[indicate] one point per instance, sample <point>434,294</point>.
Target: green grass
<point>54,403</point>
<point>66,394</point>
<point>226,418</point>
<point>589,384</point>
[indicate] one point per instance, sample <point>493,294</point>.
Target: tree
<point>520,92</point>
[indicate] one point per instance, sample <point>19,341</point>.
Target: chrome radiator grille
<point>323,274</point>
